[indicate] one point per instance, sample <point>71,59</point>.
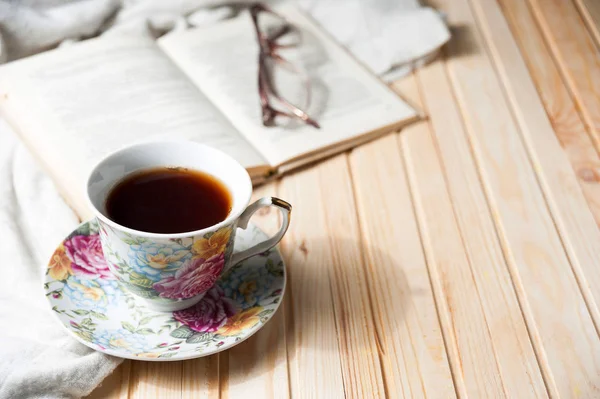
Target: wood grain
<point>322,246</point>
<point>361,365</point>
<point>533,248</point>
<point>200,378</point>
<point>411,345</point>
<point>467,336</point>
<point>560,108</point>
<point>578,231</point>
<point>463,246</point>
<point>331,342</point>
<point>115,385</point>
<point>156,379</point>
<point>576,55</point>
<point>590,12</point>
<point>312,347</point>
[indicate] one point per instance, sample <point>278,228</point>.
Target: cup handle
<point>285,209</point>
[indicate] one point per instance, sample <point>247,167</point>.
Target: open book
<point>74,105</point>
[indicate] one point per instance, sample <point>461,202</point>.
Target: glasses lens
<point>278,30</point>
<point>289,82</point>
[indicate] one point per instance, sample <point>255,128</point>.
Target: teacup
<point>173,271</point>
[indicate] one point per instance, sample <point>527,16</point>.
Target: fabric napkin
<point>37,358</point>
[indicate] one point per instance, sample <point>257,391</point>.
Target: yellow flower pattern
<point>86,297</point>
<point>148,355</point>
<point>215,245</point>
<point>59,267</point>
<point>119,343</point>
<point>247,289</point>
<point>240,322</point>
<point>93,293</point>
<point>160,261</point>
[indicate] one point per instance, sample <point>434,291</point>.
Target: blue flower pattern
<point>97,295</point>
<point>122,339</point>
<point>87,305</point>
<point>140,259</point>
<point>248,286</point>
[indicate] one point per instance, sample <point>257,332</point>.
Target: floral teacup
<point>174,271</point>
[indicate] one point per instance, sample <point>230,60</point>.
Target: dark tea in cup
<point>168,200</point>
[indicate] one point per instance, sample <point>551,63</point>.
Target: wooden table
<point>460,257</point>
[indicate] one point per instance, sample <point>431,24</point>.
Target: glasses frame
<point>269,50</point>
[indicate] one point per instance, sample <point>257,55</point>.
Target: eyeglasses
<point>275,33</point>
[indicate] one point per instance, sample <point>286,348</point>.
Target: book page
<point>347,101</point>
<point>75,105</point>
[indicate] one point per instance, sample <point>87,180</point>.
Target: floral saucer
<point>98,312</point>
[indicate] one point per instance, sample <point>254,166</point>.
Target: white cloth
<point>37,358</point>
<point>383,34</point>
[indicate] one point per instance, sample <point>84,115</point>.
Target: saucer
<point>99,313</point>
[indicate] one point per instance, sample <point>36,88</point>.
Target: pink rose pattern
<point>210,313</point>
<point>193,278</point>
<point>86,254</point>
<point>207,317</point>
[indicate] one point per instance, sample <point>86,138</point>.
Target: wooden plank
<point>311,336</point>
<point>560,108</point>
<point>200,378</point>
<point>561,327</point>
<point>411,345</point>
<point>466,334</point>
<point>496,356</point>
<point>155,380</point>
<point>331,341</point>
<point>575,222</point>
<point>590,12</point>
<point>115,385</point>
<point>361,365</point>
<point>259,365</point>
<point>575,53</point>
